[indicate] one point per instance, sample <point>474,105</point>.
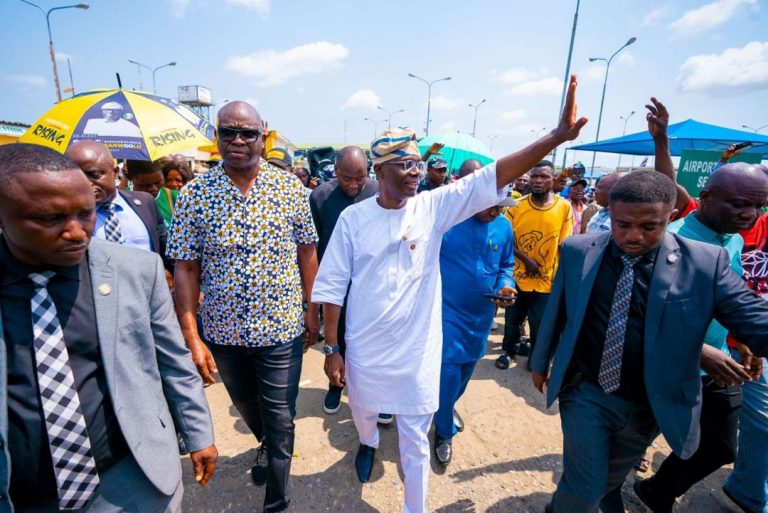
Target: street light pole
<point>375,125</point>
<point>389,115</point>
<point>492,140</point>
<point>756,130</point>
<point>429,95</point>
<point>153,70</point>
<point>567,73</point>
<point>605,84</point>
<point>623,133</point>
<point>50,38</point>
<point>474,123</point>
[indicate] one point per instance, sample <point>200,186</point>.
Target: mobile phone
<point>500,298</point>
<point>741,145</point>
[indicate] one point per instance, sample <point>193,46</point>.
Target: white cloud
<point>594,73</point>
<point>550,86</point>
<point>62,57</point>
<point>275,67</point>
<point>446,103</point>
<point>709,16</point>
<point>26,80</point>
<point>260,6</point>
<point>517,75</point>
<point>179,8</point>
<point>363,99</point>
<point>252,101</point>
<point>734,70</point>
<point>514,116</point>
<point>654,16</point>
<point>626,58</point>
<point>448,126</point>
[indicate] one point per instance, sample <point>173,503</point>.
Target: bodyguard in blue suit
<point>476,258</point>
<point>626,321</point>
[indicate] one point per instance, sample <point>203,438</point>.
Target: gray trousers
<point>603,437</point>
<point>123,489</point>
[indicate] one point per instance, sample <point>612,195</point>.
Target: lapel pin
<point>671,258</point>
<point>136,201</point>
<point>104,289</point>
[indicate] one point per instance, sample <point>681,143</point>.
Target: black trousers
<point>719,427</point>
<point>263,383</point>
<point>528,304</point>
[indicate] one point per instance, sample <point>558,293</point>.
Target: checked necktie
<point>112,225</point>
<point>73,462</point>
<point>610,363</point>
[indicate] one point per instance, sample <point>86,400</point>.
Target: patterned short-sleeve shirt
<point>246,247</point>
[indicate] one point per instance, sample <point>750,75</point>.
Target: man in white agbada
<point>386,250</point>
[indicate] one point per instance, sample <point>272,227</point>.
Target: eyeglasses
<point>406,166</point>
<point>248,135</point>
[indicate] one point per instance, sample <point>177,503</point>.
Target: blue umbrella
<point>457,148</point>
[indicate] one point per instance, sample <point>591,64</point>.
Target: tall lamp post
<point>624,132</point>
<point>429,95</point>
<point>389,114</point>
<point>756,130</point>
<point>492,140</point>
<point>153,70</point>
<point>375,125</point>
<point>567,73</point>
<point>474,123</point>
<point>50,38</point>
<point>605,83</point>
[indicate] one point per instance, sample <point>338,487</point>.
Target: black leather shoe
<point>443,450</point>
<point>548,508</point>
<point>458,421</point>
<point>644,492</point>
<point>259,468</point>
<point>364,462</point>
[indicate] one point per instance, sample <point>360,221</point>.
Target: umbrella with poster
<point>132,124</point>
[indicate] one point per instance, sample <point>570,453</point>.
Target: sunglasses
<point>407,166</point>
<point>248,135</point>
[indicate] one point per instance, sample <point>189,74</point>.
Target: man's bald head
<point>241,137</point>
<point>351,170</point>
<point>468,167</point>
<point>95,160</point>
<point>603,188</point>
<point>733,197</point>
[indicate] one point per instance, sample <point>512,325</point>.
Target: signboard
<point>195,94</point>
<point>696,166</point>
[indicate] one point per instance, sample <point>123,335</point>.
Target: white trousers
<point>412,434</point>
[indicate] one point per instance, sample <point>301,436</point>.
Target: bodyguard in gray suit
<point>624,330</point>
<point>93,368</point>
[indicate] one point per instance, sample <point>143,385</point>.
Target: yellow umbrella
<point>133,124</point>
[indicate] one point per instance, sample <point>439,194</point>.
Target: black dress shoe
<point>458,421</point>
<point>443,450</point>
<point>644,492</point>
<point>364,462</point>
<point>548,508</point>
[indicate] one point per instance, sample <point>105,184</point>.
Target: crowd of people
<point>645,310</point>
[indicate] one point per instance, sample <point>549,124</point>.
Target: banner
<point>696,166</point>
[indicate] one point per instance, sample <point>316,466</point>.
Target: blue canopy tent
<point>686,135</point>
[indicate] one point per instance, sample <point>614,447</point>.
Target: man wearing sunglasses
<point>243,234</point>
<point>385,252</point>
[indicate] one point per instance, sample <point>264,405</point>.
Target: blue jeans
<point>603,436</point>
<point>453,382</point>
<point>748,483</point>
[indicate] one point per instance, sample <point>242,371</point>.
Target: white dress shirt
<point>132,228</point>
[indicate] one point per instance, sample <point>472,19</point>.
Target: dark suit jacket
<point>151,379</point>
<point>146,208</point>
<point>692,284</point>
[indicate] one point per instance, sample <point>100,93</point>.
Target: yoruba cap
<point>394,143</point>
<point>112,106</point>
<point>437,163</point>
<point>279,157</point>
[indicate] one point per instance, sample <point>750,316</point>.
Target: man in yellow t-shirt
<point>540,222</point>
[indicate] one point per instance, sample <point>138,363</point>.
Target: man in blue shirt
<point>476,258</point>
<point>729,203</point>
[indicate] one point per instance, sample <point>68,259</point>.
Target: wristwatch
<point>329,350</point>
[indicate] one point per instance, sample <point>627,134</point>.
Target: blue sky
<point>311,67</point>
